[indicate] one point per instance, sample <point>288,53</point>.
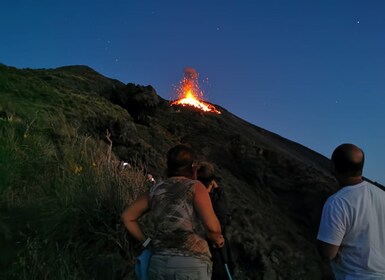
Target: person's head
<point>205,173</point>
<point>180,159</point>
<point>348,162</point>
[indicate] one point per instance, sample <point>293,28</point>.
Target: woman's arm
<point>131,215</point>
<point>204,208</point>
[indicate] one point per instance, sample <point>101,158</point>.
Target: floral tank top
<point>178,229</point>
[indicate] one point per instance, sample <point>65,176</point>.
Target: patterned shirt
<point>178,229</point>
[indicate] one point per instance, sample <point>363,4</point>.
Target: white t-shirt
<point>354,219</point>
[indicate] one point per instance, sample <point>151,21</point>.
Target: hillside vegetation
<point>63,135</point>
<point>61,188</point>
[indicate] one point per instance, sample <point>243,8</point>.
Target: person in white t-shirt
<point>352,228</point>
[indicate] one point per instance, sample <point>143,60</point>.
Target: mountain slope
<point>275,187</point>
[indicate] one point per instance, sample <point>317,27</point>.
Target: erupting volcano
<point>189,93</point>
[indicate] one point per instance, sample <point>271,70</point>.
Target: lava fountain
<point>189,93</point>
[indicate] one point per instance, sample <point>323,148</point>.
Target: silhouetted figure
<point>222,256</point>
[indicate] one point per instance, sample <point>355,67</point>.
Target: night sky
<point>310,71</point>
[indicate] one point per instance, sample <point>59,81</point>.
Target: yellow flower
<point>77,169</point>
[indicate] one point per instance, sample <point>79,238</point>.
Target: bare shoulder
<point>199,186</point>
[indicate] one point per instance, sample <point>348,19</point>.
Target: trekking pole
<point>224,259</point>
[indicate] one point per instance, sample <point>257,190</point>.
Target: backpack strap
<point>374,183</point>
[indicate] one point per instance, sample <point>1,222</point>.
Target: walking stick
<point>224,260</point>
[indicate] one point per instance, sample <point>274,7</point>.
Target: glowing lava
<point>189,93</point>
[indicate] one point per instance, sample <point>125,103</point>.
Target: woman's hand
<point>217,239</point>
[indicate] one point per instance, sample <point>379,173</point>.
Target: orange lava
<point>189,93</point>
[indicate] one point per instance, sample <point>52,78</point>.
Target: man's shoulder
<point>351,189</point>
<point>340,197</point>
<point>377,188</point>
<point>350,194</point>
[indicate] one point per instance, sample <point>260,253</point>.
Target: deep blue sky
<point>310,71</point>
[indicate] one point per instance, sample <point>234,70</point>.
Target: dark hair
<point>348,159</point>
<point>179,161</point>
<point>205,173</point>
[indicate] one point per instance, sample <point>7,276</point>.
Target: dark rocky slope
<point>275,187</point>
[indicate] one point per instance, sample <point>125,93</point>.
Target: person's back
<point>177,228</point>
<point>362,250</point>
<point>352,227</point>
<point>180,251</point>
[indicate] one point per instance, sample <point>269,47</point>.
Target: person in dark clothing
<point>222,256</point>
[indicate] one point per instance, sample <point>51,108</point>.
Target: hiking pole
<point>224,259</point>
<point>228,271</point>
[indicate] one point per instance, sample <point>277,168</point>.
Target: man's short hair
<point>346,161</point>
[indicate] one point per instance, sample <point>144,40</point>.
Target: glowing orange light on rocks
<point>189,93</point>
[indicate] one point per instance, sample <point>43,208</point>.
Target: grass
<point>62,190</point>
<point>60,207</point>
